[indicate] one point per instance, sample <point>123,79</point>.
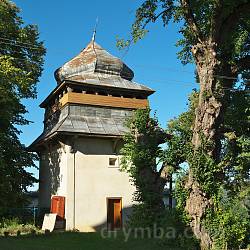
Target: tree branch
<point>216,20</point>
<point>160,14</point>
<point>164,172</point>
<point>188,14</point>
<point>244,63</point>
<point>230,22</point>
<point>240,65</point>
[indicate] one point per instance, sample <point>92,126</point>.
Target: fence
<point>33,215</point>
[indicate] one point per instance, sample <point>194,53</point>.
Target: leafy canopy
<point>224,23</point>
<point>21,60</point>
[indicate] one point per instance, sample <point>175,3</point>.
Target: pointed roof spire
<point>94,33</point>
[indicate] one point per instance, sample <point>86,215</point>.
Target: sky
<point>66,27</point>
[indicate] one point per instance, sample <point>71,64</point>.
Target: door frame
<point>107,207</point>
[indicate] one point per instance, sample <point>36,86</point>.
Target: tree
<point>228,220</point>
<point>216,38</point>
<point>142,156</point>
<point>21,60</point>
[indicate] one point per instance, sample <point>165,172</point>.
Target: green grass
<point>71,240</point>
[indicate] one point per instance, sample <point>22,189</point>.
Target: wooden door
<point>58,206</point>
<point>114,219</point>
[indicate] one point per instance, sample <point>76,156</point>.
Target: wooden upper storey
<point>75,93</point>
<point>105,101</point>
<point>95,77</point>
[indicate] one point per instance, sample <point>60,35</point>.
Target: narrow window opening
<point>103,93</point>
<point>127,96</point>
<point>116,95</point>
<point>77,90</point>
<point>140,97</point>
<point>90,92</point>
<point>112,161</point>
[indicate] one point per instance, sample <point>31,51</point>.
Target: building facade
<point>84,122</point>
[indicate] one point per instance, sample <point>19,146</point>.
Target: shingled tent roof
<point>94,65</point>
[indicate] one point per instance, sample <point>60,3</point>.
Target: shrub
<point>14,227</point>
<point>175,234</point>
<point>230,224</point>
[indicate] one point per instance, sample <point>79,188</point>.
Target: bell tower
<point>84,123</point>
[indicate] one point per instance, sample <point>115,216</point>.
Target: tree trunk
<point>171,191</point>
<point>153,185</point>
<point>196,206</point>
<point>151,181</point>
<point>208,117</point>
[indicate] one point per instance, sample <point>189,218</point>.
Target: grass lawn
<point>70,240</point>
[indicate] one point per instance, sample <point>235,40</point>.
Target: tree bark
<point>196,205</point>
<point>208,117</point>
<point>171,192</point>
<point>153,185</point>
<point>209,111</point>
<point>151,180</point>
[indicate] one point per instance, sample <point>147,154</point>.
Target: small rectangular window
<point>113,162</point>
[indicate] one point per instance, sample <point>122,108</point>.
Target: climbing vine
<point>142,155</point>
<point>225,182</point>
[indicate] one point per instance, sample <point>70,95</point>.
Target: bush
<point>14,227</point>
<point>229,225</point>
<point>174,233</point>
<point>25,215</point>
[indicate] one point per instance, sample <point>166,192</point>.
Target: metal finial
<point>94,33</point>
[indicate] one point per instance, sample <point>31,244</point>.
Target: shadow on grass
<point>76,240</point>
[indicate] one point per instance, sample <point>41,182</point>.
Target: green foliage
<point>229,224</point>
<point>227,227</point>
<point>140,152</point>
<point>224,22</point>
<point>215,35</point>
<point>172,232</point>
<point>136,154</point>
<point>15,227</point>
<point>205,171</point>
<point>181,195</point>
<point>232,171</point>
<point>141,157</point>
<point>142,217</point>
<point>227,221</point>
<point>236,143</point>
<point>21,60</point>
<point>179,147</point>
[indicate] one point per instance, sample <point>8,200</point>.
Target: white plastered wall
<point>82,166</point>
<point>94,180</point>
<point>52,173</point>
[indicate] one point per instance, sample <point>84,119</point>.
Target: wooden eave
<point>42,140</point>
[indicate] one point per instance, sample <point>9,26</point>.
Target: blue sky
<point>66,27</point>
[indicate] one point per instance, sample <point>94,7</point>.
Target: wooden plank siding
<point>100,100</point>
